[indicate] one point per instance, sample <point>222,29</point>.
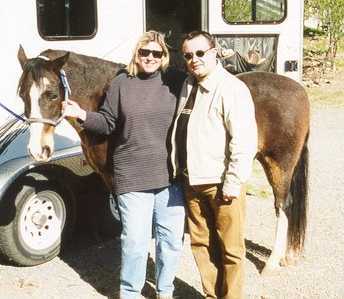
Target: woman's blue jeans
<point>158,210</point>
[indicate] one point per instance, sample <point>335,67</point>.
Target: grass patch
<point>258,185</point>
<point>331,93</point>
<point>340,64</point>
<point>258,191</point>
<point>326,97</point>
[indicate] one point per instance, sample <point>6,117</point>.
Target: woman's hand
<point>72,109</point>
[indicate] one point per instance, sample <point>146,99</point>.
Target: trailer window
<point>254,11</point>
<point>240,54</point>
<point>66,19</point>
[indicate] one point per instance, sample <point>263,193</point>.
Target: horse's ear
<point>58,63</point>
<point>22,56</point>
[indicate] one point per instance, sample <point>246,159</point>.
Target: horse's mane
<point>90,73</point>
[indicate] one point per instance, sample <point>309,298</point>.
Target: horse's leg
<point>280,181</point>
<point>288,179</point>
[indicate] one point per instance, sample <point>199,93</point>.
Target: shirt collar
<point>147,76</point>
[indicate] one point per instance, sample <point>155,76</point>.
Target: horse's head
<point>42,92</point>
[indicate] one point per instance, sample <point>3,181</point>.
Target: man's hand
<point>228,198</point>
<point>72,109</point>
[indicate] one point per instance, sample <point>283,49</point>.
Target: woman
<point>137,112</point>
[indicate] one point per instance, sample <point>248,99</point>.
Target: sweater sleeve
<point>241,124</point>
<point>104,121</point>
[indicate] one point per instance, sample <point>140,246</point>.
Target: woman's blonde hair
<point>149,36</point>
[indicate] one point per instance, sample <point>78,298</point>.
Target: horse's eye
<point>51,95</point>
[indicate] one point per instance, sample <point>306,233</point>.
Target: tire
<point>36,215</point>
<point>97,211</point>
<point>111,223</point>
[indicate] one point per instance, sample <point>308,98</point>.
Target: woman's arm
<point>102,122</point>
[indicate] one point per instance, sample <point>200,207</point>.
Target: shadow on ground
<point>98,263</point>
<point>257,254</point>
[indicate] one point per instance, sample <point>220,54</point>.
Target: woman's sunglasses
<point>199,53</point>
<point>146,52</point>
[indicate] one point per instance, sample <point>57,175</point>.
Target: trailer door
<point>174,18</point>
<point>261,34</point>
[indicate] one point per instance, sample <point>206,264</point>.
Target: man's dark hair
<point>197,33</point>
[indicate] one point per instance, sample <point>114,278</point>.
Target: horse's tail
<point>297,209</point>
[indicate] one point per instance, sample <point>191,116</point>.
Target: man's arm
<point>241,123</point>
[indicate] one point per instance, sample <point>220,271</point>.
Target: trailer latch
<point>290,66</point>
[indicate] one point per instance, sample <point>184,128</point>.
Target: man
<point>214,144</point>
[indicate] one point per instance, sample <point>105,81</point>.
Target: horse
<point>282,114</point>
<point>42,91</point>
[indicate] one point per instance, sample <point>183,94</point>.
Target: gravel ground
<point>90,270</point>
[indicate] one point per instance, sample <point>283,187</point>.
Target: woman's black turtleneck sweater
<point>138,112</point>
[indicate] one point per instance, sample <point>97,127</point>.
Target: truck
<point>41,202</point>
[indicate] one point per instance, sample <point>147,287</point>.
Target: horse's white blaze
<point>34,145</point>
<point>38,138</point>
<point>280,246</point>
<point>35,93</point>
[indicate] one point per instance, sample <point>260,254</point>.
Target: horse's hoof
<point>284,262</point>
<point>290,260</point>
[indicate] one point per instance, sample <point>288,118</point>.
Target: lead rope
<point>13,113</point>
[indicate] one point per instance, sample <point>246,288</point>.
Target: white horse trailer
<point>38,201</point>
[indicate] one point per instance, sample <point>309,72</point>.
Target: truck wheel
<point>38,215</point>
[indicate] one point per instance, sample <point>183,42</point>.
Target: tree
<point>331,15</point>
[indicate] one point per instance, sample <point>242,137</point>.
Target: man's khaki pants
<point>217,239</point>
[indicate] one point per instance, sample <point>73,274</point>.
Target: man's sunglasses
<point>199,53</point>
<point>146,52</point>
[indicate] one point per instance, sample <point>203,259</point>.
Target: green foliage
<point>239,10</point>
<point>331,14</point>
<point>341,44</point>
<point>313,32</point>
<point>316,45</point>
<point>247,11</point>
